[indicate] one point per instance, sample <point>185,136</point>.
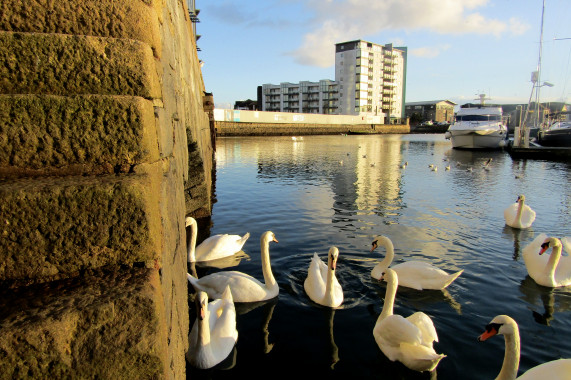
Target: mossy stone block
<point>46,134</point>
<point>52,228</point>
<point>59,64</point>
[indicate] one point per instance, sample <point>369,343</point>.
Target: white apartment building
<point>303,97</point>
<point>372,79</point>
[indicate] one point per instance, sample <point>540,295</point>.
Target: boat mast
<point>537,105</point>
<point>535,80</point>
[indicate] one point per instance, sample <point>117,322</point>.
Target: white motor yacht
<point>478,126</point>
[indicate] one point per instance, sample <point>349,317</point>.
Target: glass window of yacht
<point>478,118</point>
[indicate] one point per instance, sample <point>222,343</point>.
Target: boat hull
<point>474,140</point>
<point>558,138</point>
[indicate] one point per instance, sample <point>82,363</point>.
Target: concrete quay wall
<point>263,123</point>
<point>227,128</point>
<point>105,146</point>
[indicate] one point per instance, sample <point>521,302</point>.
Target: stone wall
<point>228,128</point>
<point>104,144</point>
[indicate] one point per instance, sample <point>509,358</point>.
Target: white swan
<point>506,326</point>
<point>244,287</point>
<point>519,215</point>
<point>412,274</point>
<point>214,333</point>
<point>214,247</point>
<point>552,270</point>
<point>408,340</point>
<point>321,285</point>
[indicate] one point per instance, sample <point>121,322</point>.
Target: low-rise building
<point>303,97</point>
<point>438,111</point>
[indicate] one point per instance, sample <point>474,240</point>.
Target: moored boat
<point>558,133</point>
<point>478,126</point>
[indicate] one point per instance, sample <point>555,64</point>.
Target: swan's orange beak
<point>201,312</point>
<point>275,240</point>
<point>490,332</point>
<point>544,247</point>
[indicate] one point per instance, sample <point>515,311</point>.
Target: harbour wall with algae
<point>105,145</point>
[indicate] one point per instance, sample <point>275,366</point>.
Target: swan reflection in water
<point>517,235</point>
<point>267,313</point>
<point>553,300</point>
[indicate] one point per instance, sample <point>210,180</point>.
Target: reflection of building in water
<point>363,175</point>
<point>378,174</point>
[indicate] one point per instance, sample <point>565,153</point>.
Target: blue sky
<point>457,48</point>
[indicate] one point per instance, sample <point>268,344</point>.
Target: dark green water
<point>453,218</point>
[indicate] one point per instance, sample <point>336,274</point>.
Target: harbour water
<point>344,191</point>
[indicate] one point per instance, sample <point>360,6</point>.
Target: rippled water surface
<point>344,191</point>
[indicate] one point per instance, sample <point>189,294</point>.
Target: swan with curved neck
<point>408,340</point>
<point>214,247</point>
<point>412,274</point>
<point>214,333</point>
<point>552,270</point>
<point>507,326</point>
<point>244,287</point>
<point>519,215</point>
<point>321,284</point>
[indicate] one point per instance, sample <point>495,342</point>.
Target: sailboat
<point>531,124</point>
<point>558,133</point>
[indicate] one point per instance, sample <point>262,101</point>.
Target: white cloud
<point>429,51</point>
<point>346,20</point>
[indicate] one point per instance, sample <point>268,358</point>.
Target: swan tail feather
<point>452,277</point>
<point>194,282</point>
<point>243,239</point>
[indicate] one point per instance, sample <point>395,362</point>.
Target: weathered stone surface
<point>164,68</point>
<point>106,324</point>
<point>133,19</point>
<point>57,228</point>
<point>44,134</point>
<point>58,64</point>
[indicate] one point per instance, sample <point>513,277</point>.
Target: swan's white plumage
<point>321,284</point>
<point>551,270</point>
<point>215,247</point>
<point>505,325</point>
<point>412,274</point>
<point>214,333</point>
<point>519,215</point>
<point>408,340</point>
<point>244,287</point>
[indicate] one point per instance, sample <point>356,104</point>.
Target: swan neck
<point>204,331</point>
<point>511,357</point>
<point>328,296</point>
<point>553,261</point>
<point>269,279</point>
<point>191,246</point>
<point>389,300</point>
<point>519,211</point>
<point>389,255</point>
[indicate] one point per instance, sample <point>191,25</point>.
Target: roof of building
<point>430,102</point>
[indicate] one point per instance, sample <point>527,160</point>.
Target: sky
<point>456,48</point>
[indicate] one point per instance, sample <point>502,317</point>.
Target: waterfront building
<point>438,111</point>
<point>372,79</point>
<point>303,97</point>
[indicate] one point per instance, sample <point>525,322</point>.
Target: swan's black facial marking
<point>374,245</point>
<point>544,247</point>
